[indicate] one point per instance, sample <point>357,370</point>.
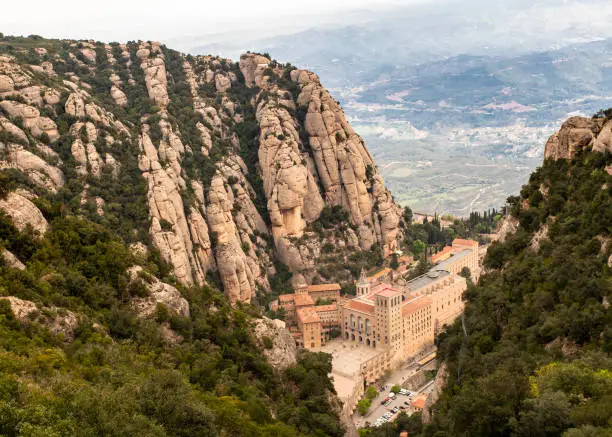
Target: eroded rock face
<point>235,271</point>
<point>507,227</point>
<point>334,168</point>
<point>577,133</point>
<point>434,395</point>
<point>604,139</point>
<point>118,96</point>
<point>170,229</point>
<point>154,69</point>
<point>11,260</point>
<point>31,118</point>
<point>203,214</point>
<point>10,128</point>
<point>34,167</point>
<point>57,320</point>
<point>252,67</point>
<point>159,293</point>
<point>23,213</point>
<point>283,350</point>
<point>346,170</point>
<point>288,183</point>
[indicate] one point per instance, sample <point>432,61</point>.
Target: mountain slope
<point>532,355</point>
<point>134,181</point>
<point>224,168</point>
<point>90,349</point>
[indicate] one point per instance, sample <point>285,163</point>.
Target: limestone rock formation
<point>154,69</point>
<point>235,271</point>
<point>9,128</point>
<point>23,213</point>
<point>538,236</point>
<point>11,260</point>
<point>32,166</point>
<point>604,138</point>
<point>333,168</point>
<point>435,393</point>
<point>57,320</point>
<point>507,227</point>
<point>119,96</point>
<point>159,293</point>
<point>238,160</point>
<point>252,67</point>
<point>577,133</point>
<point>283,351</point>
<point>31,118</point>
<point>345,167</point>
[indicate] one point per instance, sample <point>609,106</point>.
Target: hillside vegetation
<point>117,374</point>
<point>531,356</point>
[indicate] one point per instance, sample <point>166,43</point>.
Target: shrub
<point>267,342</point>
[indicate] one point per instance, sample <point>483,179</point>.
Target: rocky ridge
<point>238,159</point>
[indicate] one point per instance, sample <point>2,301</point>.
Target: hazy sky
<point>120,20</point>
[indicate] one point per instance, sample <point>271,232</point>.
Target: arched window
<point>367,326</point>
<point>352,321</point>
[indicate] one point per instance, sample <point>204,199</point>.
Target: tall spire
<point>363,277</point>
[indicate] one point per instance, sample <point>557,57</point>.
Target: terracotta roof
<point>324,308</point>
<point>419,402</point>
<point>389,292</point>
<point>284,298</point>
<point>308,315</point>
<point>323,287</point>
<point>375,289</point>
<point>443,254</point>
<point>462,242</point>
<point>415,305</point>
<point>360,306</point>
<point>303,300</point>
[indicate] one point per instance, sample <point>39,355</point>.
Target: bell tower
<point>363,285</point>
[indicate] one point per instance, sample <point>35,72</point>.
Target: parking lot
<point>377,409</point>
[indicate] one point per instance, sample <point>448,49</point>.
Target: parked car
<point>391,395</point>
<point>395,409</point>
<point>385,401</point>
<point>402,407</point>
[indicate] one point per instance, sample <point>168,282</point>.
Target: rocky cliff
<point>580,133</point>
<point>221,167</point>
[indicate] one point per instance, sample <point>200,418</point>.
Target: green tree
<point>371,392</point>
<point>363,406</point>
<point>418,247</point>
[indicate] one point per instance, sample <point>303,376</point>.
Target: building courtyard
<point>384,325</point>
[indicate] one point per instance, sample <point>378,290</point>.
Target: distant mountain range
<point>456,99</point>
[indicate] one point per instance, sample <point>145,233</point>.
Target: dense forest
<point>120,375</point>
